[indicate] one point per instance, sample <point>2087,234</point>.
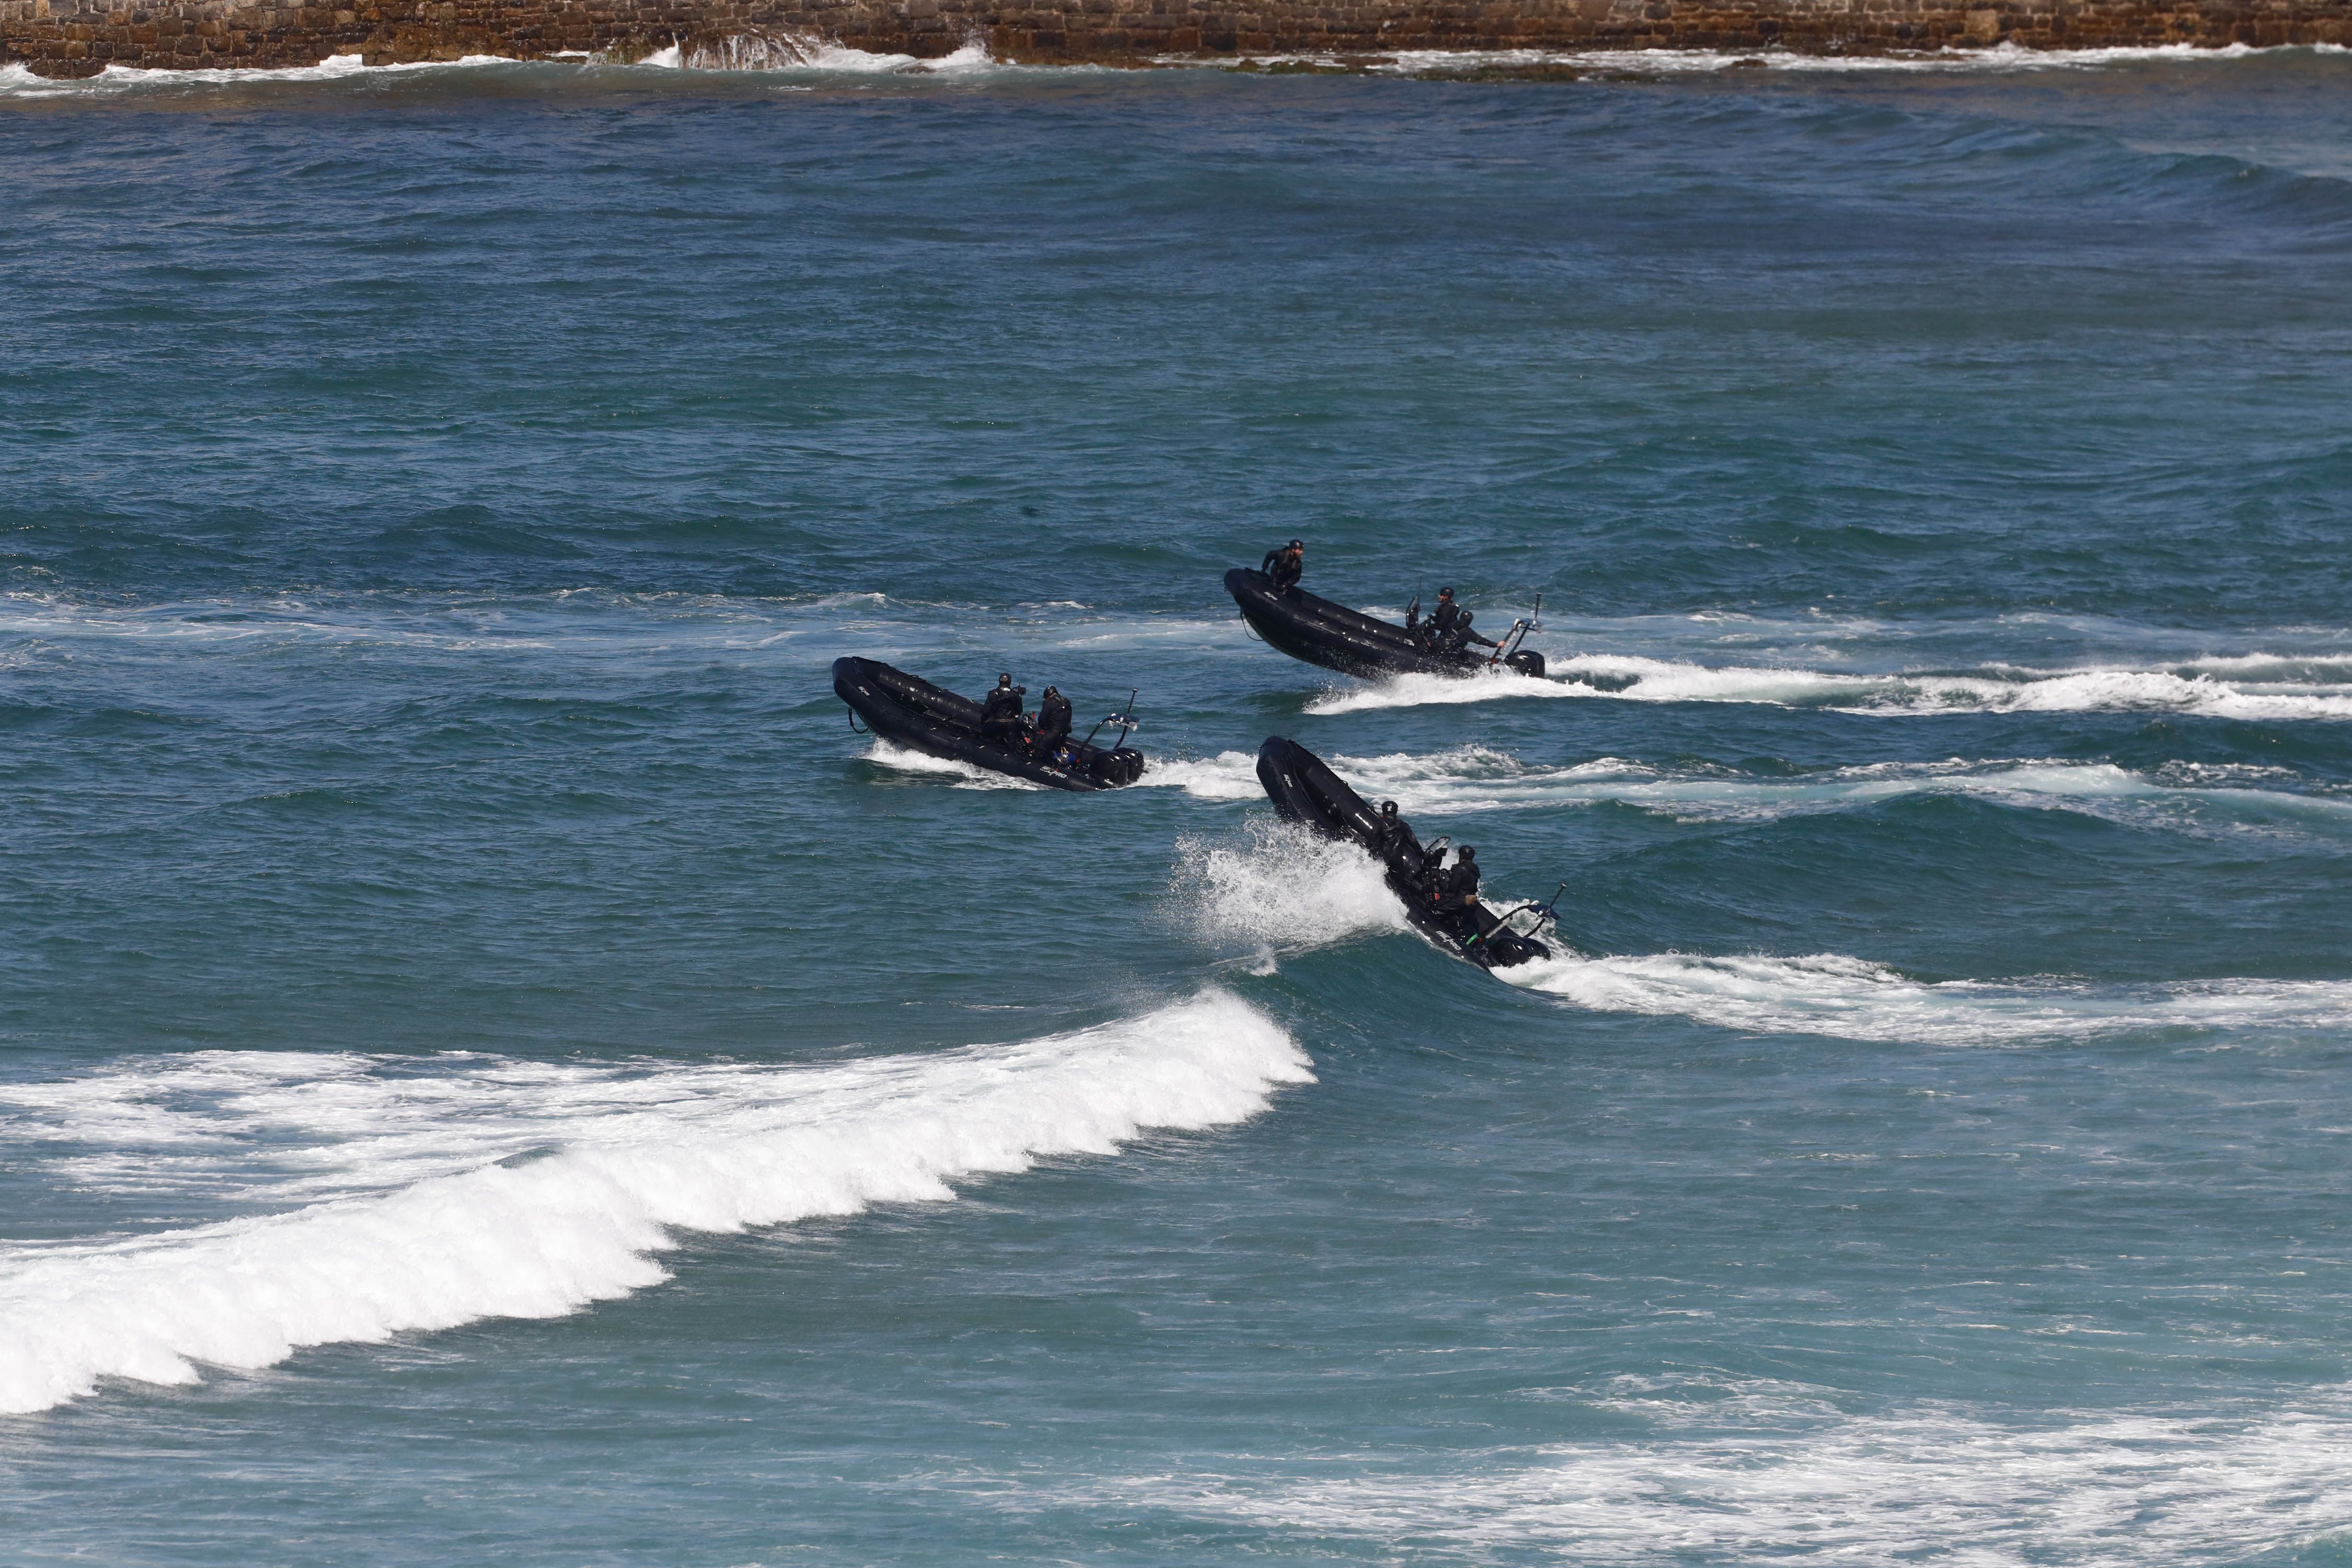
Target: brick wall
<point>72,37</point>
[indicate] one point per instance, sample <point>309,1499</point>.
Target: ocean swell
<point>558,1208</point>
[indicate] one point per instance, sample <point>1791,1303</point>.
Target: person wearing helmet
<point>1455,888</point>
<point>1460,637</point>
<point>999,714</point>
<point>1284,566</point>
<point>1053,722</point>
<point>1390,833</point>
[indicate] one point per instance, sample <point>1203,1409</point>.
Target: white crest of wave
<point>687,1150</point>
<point>2099,1491</point>
<point>1851,998</point>
<point>1289,890</point>
<point>19,80</point>
<point>2007,57</point>
<point>798,51</point>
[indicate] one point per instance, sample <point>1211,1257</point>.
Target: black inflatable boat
<point>1337,637</point>
<point>1308,793</point>
<point>910,711</point>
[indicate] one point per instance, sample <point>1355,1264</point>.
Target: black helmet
<point>1445,592</point>
<point>1053,692</point>
<point>1466,853</point>
<point>1298,544</point>
<point>1004,679</point>
<point>1464,620</point>
<point>1388,808</point>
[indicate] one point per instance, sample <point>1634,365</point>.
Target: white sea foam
<point>1779,1476</point>
<point>906,760</point>
<point>1473,779</point>
<point>1228,775</point>
<point>604,1167</point>
<point>749,52</point>
<point>19,81</point>
<point>771,52</point>
<point>1999,58</point>
<point>2258,686</point>
<point>1850,998</point>
<point>1287,890</point>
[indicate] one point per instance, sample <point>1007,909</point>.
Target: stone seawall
<point>75,38</point>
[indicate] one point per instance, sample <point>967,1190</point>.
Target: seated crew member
<point>1000,713</point>
<point>1053,722</point>
<point>1284,565</point>
<point>1455,890</point>
<point>1439,624</point>
<point>1462,636</point>
<point>1390,833</point>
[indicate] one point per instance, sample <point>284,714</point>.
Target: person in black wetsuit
<point>1460,637</point>
<point>1434,631</point>
<point>1000,713</point>
<point>1284,565</point>
<point>1390,833</point>
<point>1053,722</point>
<point>1454,891</point>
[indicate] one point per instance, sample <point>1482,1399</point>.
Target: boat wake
<point>1467,780</point>
<point>2257,688</point>
<point>1851,998</point>
<point>904,760</point>
<point>501,1187</point>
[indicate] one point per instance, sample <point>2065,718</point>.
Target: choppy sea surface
<point>493,1069</point>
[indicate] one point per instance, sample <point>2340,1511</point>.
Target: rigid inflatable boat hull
<point>1321,631</point>
<point>910,711</point>
<point>1308,793</point>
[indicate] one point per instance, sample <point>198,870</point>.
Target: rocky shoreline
<point>82,37</point>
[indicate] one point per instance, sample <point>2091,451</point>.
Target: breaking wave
<point>788,51</point>
<point>530,1190</point>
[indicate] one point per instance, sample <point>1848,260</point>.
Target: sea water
<point>493,1067</point>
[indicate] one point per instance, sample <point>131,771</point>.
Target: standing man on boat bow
<point>1284,565</point>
